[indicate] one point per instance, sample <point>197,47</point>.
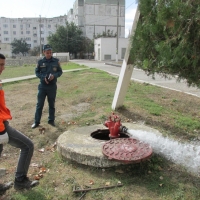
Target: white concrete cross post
<point>126,70</point>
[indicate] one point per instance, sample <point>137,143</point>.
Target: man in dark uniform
<point>48,70</point>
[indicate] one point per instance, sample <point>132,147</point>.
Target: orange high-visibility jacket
<point>4,111</point>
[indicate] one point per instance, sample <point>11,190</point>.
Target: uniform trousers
<point>48,91</point>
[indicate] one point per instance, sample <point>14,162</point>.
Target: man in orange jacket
<point>17,139</point>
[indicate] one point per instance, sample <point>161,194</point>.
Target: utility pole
<point>117,31</point>
<point>94,43</point>
<point>94,32</point>
<point>40,39</point>
<point>126,70</point>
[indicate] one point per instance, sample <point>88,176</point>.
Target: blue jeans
<point>50,93</point>
<point>19,140</point>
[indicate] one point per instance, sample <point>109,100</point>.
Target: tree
<point>167,39</point>
<point>35,51</point>
<point>67,39</point>
<point>88,45</point>
<point>106,34</point>
<point>20,46</point>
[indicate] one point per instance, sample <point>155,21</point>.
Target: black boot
<point>4,187</point>
<point>25,183</point>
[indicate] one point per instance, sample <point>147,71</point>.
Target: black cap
<point>46,47</point>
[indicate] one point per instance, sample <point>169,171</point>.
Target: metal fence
<point>23,61</point>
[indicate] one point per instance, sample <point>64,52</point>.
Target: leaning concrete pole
<point>126,70</point>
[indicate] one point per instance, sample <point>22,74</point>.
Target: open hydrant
<point>114,125</point>
<point>126,150</point>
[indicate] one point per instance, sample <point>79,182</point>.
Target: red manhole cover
<point>127,150</point>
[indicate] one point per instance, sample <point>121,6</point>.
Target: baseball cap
<point>46,47</point>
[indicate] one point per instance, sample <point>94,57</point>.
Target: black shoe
<point>52,123</point>
<point>35,125</point>
<point>4,187</point>
<point>25,183</point>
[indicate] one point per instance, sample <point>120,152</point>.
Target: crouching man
<point>16,139</point>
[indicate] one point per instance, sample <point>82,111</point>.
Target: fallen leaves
<point>34,165</point>
<point>42,130</point>
<point>91,182</point>
<point>40,175</point>
<point>41,150</point>
<point>51,148</point>
<point>107,184</point>
<point>71,123</point>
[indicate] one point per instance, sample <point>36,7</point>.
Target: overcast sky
<point>52,8</point>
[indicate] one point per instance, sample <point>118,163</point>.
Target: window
<point>5,25</point>
<point>42,39</point>
<point>29,45</point>
<point>41,25</point>
<point>27,32</point>
<point>35,41</point>
<point>5,32</point>
<point>49,26</point>
<point>6,39</point>
<point>28,25</point>
<point>28,39</point>
<point>14,26</point>
<point>14,32</point>
<point>34,35</point>
<point>42,32</point>
<point>22,32</point>
<point>21,26</point>
<point>107,57</point>
<point>34,28</point>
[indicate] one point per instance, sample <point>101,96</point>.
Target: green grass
<point>175,114</point>
<point>12,72</point>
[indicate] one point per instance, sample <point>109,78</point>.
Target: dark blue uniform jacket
<point>45,67</point>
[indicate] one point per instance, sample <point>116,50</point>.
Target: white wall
<point>107,48</point>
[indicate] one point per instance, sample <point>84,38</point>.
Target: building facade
<point>105,48</point>
<point>92,16</point>
<point>98,16</point>
<point>29,29</point>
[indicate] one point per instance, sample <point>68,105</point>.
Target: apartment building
<point>92,16</point>
<point>29,29</point>
<point>97,16</point>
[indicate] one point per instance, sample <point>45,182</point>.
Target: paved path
<point>137,75</point>
<point>31,76</point>
<point>140,76</point>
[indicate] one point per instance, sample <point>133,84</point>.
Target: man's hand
<point>47,82</point>
<point>51,77</point>
<point>4,138</point>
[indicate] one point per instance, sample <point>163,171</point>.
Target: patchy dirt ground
<point>21,100</point>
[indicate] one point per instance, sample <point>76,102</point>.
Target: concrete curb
<point>113,64</point>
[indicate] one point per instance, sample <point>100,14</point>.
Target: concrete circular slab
<point>78,145</point>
